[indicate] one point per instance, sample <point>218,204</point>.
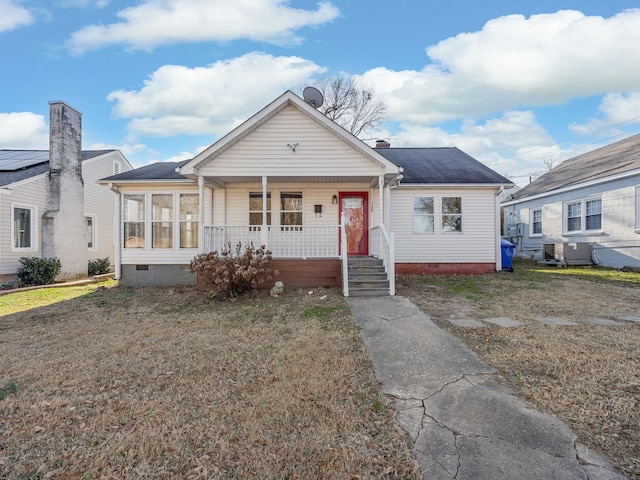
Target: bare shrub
<point>233,271</point>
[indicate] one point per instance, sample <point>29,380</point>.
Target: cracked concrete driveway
<point>465,425</point>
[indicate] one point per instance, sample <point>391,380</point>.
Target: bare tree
<point>350,105</point>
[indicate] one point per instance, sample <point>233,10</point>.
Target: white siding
<point>475,244</point>
<point>100,202</point>
<point>265,152</point>
<point>30,193</point>
<point>617,245</point>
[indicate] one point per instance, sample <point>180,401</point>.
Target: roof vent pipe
<point>382,144</point>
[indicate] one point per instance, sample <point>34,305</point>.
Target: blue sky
<point>518,85</point>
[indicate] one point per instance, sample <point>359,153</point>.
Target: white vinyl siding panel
<point>476,242</point>
<point>32,194</point>
<point>265,152</point>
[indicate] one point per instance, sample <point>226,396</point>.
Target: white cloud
<point>23,130</point>
<point>208,100</point>
<point>618,110</point>
<point>83,3</point>
<point>13,16</point>
<point>162,22</point>
<point>513,62</point>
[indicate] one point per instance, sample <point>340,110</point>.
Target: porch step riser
<point>369,293</point>
<point>357,261</point>
<point>370,284</point>
<point>367,271</point>
<point>368,277</point>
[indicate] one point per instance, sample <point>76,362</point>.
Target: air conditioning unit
<point>567,253</point>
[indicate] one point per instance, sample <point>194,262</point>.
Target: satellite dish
<point>313,97</point>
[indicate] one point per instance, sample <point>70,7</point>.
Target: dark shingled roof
<point>155,171</point>
<point>619,157</point>
<point>8,177</point>
<point>448,165</point>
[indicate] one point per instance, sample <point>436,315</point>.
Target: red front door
<point>355,206</point>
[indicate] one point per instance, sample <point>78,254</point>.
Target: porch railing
<point>283,241</point>
<point>383,247</point>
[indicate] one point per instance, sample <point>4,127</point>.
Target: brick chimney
<point>64,230</point>
<point>382,144</point>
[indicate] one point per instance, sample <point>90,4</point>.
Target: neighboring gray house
<point>586,210</point>
<point>51,204</point>
<point>295,181</point>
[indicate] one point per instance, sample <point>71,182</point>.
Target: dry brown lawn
<point>162,383</point>
<point>587,375</point>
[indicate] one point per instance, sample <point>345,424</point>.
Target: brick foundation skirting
<point>444,268</point>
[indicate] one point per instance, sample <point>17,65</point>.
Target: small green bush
<point>233,272</point>
<point>99,266</point>
<point>38,271</point>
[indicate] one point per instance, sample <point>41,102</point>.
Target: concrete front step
<point>367,276</point>
<point>368,292</point>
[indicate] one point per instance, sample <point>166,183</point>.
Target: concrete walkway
<point>466,426</point>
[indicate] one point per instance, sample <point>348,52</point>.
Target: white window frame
<point>149,221</point>
<point>443,215</point>
<point>281,211</point>
<point>33,220</point>
<point>256,227</point>
<point>94,236</point>
<point>532,216</point>
<point>432,214</point>
<point>583,217</point>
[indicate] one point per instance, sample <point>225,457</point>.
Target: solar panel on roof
<point>12,160</point>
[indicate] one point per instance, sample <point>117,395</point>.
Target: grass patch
<point>162,383</point>
<point>8,388</point>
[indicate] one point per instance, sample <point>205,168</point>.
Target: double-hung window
<point>291,210</point>
<point>23,226</point>
<point>583,216</point>
<point>162,220</point>
<point>451,214</point>
<point>255,209</point>
<point>189,219</point>
<point>134,220</point>
<point>91,231</point>
<point>423,215</point>
<point>536,221</point>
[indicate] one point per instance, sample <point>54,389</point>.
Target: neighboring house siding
<point>475,244</point>
<point>100,202</point>
<point>617,245</point>
<point>265,152</point>
<point>29,193</point>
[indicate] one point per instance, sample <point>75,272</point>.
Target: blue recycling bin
<point>507,254</point>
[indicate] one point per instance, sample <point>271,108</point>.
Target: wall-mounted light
<point>334,199</point>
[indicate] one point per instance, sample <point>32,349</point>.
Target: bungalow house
<point>51,204</point>
<point>584,211</point>
<point>317,197</point>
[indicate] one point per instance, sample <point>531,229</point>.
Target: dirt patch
<point>587,375</point>
<point>162,383</point>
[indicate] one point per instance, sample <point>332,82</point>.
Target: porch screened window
<point>423,215</point>
<point>189,217</point>
<point>451,214</point>
<point>291,208</point>
<point>134,219</point>
<point>536,221</point>
<point>22,227</point>
<point>162,220</point>
<point>255,208</point>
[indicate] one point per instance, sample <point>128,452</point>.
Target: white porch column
<point>201,214</point>
<point>381,199</point>
<point>264,237</point>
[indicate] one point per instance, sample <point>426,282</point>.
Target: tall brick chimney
<point>64,230</point>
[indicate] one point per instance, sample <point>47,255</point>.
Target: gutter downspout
<point>201,214</point>
<point>116,230</point>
